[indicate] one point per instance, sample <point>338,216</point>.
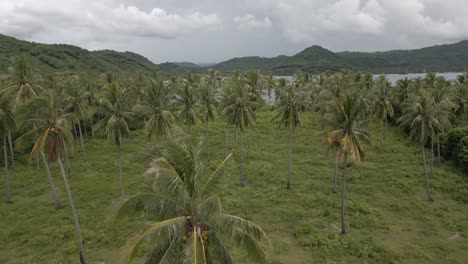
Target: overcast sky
<point>215,30</point>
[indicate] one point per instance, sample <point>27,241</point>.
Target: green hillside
<point>440,58</point>
<point>58,57</point>
<point>390,220</point>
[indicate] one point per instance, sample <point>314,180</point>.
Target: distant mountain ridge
<point>314,59</point>
<point>439,58</point>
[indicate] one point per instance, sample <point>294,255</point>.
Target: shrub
<point>455,146</point>
<point>462,156</point>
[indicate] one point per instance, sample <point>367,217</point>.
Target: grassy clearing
<point>388,216</point>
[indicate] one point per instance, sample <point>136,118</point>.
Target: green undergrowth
<point>388,217</point>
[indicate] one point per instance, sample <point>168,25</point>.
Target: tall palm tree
<point>22,76</point>
<point>114,109</point>
<point>89,89</point>
<point>383,106</point>
<point>444,108</point>
<point>194,227</point>
<point>156,107</point>
<point>208,91</point>
<point>22,86</point>
<point>186,102</point>
<point>77,103</point>
<point>255,82</point>
<point>347,136</point>
<point>289,116</point>
<point>53,127</point>
<point>7,122</point>
<point>240,114</point>
<point>225,97</point>
<point>420,119</point>
<point>270,85</point>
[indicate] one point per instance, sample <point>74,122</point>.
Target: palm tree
<point>88,88</point>
<point>77,103</point>
<point>239,113</point>
<point>22,75</point>
<point>402,91</point>
<point>270,84</point>
<point>54,132</point>
<point>289,116</point>
<point>347,136</point>
<point>225,97</point>
<point>22,87</point>
<point>194,227</point>
<point>208,100</point>
<point>460,99</point>
<point>443,112</point>
<point>383,107</point>
<point>156,106</point>
<point>7,122</point>
<point>113,108</point>
<point>186,102</point>
<point>420,119</point>
<point>254,82</point>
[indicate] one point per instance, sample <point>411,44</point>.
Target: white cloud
<point>303,21</point>
<point>249,21</point>
<point>29,17</point>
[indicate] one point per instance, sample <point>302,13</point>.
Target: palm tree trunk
<point>122,188</point>
<point>51,182</point>
<point>7,174</point>
<point>429,196</point>
<point>81,140</point>
<point>10,142</point>
<point>289,162</point>
<point>381,133</point>
<point>65,152</point>
<point>321,128</point>
<point>207,142</point>
<point>235,135</point>
<point>249,143</point>
<point>37,161</point>
<point>335,182</point>
<point>432,156</point>
<point>438,145</point>
<point>242,159</point>
<point>91,127</point>
<point>75,216</point>
<point>84,128</point>
<point>76,133</point>
<point>226,143</point>
<point>385,125</point>
<point>343,195</point>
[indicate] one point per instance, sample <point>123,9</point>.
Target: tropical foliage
<point>43,117</point>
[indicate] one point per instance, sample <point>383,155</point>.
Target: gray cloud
<point>214,30</point>
<point>249,22</point>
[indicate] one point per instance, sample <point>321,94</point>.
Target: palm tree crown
<point>193,226</point>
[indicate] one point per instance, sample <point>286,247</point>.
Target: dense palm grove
<point>52,117</point>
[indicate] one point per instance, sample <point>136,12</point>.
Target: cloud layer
<point>213,30</point>
<point>249,21</point>
<point>28,18</point>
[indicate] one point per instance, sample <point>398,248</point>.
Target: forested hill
<point>441,58</point>
<point>60,57</point>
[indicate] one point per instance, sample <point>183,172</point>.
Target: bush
<point>455,146</point>
<point>463,153</point>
